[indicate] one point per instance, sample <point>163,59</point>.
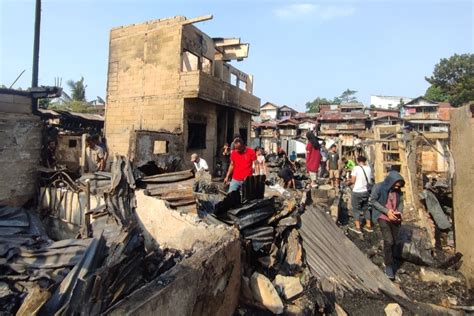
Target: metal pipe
<point>36,45</point>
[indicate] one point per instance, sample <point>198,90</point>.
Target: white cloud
<point>321,12</point>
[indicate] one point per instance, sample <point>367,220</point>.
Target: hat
<point>194,157</point>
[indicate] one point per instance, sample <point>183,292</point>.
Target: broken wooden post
<point>83,153</point>
<point>87,208</point>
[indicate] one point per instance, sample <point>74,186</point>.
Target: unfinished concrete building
<point>172,92</point>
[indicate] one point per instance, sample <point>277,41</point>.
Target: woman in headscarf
<point>313,157</point>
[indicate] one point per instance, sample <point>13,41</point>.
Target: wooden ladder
<point>390,152</point>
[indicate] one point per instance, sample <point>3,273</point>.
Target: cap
<point>194,157</point>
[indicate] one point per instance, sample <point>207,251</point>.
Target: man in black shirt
<point>333,166</point>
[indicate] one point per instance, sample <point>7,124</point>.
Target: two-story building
<point>171,91</point>
<point>285,113</point>
<point>383,116</point>
<point>346,118</point>
<point>268,111</point>
<point>422,115</point>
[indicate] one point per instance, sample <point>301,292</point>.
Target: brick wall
<point>143,81</point>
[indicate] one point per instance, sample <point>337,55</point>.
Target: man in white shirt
<point>361,178</point>
<point>199,163</point>
<point>95,156</point>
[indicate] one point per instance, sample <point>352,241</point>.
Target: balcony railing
<point>197,84</point>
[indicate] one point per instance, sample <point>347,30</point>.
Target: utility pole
<point>36,46</point>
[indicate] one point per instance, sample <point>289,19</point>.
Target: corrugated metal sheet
<point>332,256</point>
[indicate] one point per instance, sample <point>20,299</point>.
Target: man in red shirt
<point>241,164</point>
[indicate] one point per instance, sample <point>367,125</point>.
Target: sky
<point>299,50</point>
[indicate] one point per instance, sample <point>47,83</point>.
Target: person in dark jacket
<point>387,203</point>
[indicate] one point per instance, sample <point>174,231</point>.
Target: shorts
<point>333,174</point>
<point>313,176</point>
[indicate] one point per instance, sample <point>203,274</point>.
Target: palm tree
<point>78,89</point>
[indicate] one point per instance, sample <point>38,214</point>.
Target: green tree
<point>313,106</point>
<point>454,78</point>
<point>44,103</point>
<point>435,93</point>
<point>78,89</point>
<point>347,96</point>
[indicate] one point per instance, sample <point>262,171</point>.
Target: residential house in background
<point>382,116</point>
<point>268,111</point>
<point>285,112</point>
<point>171,92</point>
<point>423,115</point>
<point>265,135</point>
<point>388,102</point>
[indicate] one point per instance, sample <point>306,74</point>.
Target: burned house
<point>67,129</point>
<point>172,91</point>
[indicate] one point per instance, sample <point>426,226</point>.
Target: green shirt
<point>350,164</point>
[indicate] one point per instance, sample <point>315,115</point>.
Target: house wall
<point>20,147</point>
<point>143,82</point>
<point>462,146</point>
<point>268,114</point>
<point>66,153</point>
<point>199,111</point>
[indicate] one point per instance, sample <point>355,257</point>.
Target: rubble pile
<point>275,273</point>
<point>87,275</point>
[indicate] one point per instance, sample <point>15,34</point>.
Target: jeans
<point>360,204</point>
<point>389,234</point>
<point>235,185</point>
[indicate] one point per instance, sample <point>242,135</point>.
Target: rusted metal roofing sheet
<point>332,256</point>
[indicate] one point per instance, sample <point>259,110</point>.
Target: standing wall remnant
<point>462,146</point>
<point>20,147</point>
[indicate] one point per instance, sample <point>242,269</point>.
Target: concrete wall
<point>20,147</point>
<point>143,79</point>
<point>206,283</point>
<point>462,146</point>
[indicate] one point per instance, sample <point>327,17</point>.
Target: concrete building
<point>172,92</point>
<point>387,102</point>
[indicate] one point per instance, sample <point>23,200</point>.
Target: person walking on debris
<point>260,164</point>
<point>225,158</point>
<point>95,156</point>
<point>361,179</point>
<point>313,157</point>
<point>387,202</point>
<point>324,159</point>
<point>101,144</point>
<point>48,155</point>
<point>199,163</point>
<point>241,163</point>
<point>288,177</point>
<point>347,167</point>
<point>333,165</point>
